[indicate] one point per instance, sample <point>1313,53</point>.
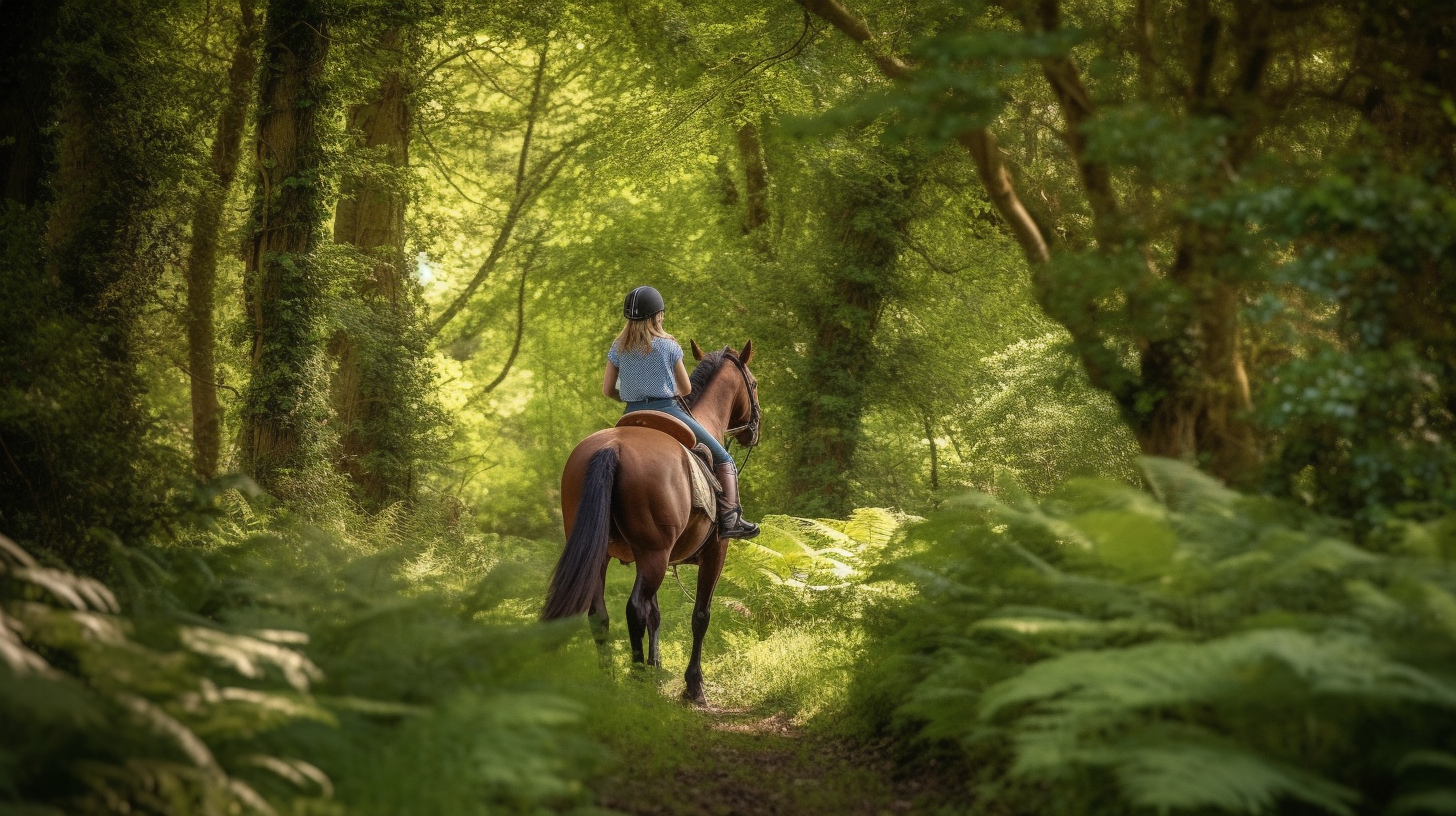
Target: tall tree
<point>77,452</point>
<point>26,98</point>
<point>202,254</point>
<point>1188,394</point>
<point>865,224</point>
<point>284,283</point>
<point>379,345</point>
<point>755,184</point>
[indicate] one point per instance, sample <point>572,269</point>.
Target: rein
<point>755,415</point>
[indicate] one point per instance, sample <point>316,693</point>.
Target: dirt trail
<point>757,764</point>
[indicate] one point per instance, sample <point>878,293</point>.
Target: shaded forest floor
<point>758,763</point>
<point>774,739</point>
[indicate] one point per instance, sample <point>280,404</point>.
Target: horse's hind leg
<point>709,568</point>
<point>642,615</point>
<point>598,614</point>
<point>654,623</point>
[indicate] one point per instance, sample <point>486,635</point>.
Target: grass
<point>767,742</point>
<point>778,660</point>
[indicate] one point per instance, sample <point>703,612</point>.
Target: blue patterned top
<point>647,376</point>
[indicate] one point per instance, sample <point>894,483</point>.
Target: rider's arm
<point>680,374</point>
<point>609,382</point>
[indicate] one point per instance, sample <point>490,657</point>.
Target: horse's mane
<point>705,370</point>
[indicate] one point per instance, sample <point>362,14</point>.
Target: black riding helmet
<point>642,303</point>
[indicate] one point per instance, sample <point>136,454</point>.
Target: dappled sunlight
<point>1084,373</point>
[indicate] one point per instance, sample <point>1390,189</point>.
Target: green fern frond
<point>1192,776</point>
<point>1440,802</point>
<point>1211,651</point>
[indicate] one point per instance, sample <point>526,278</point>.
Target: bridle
<point>755,415</point>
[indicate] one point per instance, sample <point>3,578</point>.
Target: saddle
<point>705,484</point>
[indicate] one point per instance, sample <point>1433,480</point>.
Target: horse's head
<point>731,369</point>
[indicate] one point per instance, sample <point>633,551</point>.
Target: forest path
<point>757,763</point>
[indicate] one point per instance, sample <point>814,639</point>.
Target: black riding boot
<point>731,523</point>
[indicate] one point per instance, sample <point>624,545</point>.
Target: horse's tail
<point>574,581</point>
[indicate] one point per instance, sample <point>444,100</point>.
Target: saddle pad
<point>658,421</point>
<point>705,495</point>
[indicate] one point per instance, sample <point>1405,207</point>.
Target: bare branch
<point>523,195</point>
<point>520,324</point>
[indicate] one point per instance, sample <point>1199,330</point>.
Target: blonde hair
<point>637,335</point>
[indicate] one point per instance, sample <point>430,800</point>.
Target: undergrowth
<point>259,664</point>
<point>1186,648</point>
<point>386,663</point>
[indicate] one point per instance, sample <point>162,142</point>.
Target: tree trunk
<point>284,288</point>
<point>1194,386</point>
<point>78,458</point>
<point>1202,389</point>
<point>755,183</point>
<point>202,256</point>
<point>26,98</point>
<point>870,220</point>
<point>101,186</point>
<point>378,348</point>
<point>934,452</point>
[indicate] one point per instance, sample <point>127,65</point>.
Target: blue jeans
<point>670,406</point>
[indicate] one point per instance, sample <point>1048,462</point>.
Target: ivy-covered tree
<point>285,283</point>
<point>94,177</point>
<point>380,383</point>
<point>207,233</point>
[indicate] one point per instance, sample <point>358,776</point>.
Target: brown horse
<point>626,493</point>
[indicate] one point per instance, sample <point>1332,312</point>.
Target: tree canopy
<point>300,292</point>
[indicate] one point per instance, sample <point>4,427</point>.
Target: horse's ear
<point>697,352</point>
<point>747,353</point>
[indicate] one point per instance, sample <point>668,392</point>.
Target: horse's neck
<point>714,407</point>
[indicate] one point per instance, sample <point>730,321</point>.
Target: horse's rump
<point>652,504</point>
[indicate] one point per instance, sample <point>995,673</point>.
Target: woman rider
<point>645,370</point>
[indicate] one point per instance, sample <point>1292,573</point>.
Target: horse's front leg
<point>636,620</point>
<point>642,615</point>
<point>654,623</point>
<point>710,567</point>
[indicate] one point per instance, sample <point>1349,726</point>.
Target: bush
<point>1188,648</point>
<point>267,666</point>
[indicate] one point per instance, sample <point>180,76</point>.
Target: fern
<point>1210,651</point>
<point>142,729</point>
<point>798,567</point>
<point>269,666</point>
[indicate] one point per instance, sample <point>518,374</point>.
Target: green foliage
<point>1034,417</point>
<point>796,597</point>
<point>1235,192</point>
<point>112,97</point>
<point>1360,402</point>
<point>280,668</point>
<point>801,569</point>
<point>1201,648</point>
<point>101,721</point>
